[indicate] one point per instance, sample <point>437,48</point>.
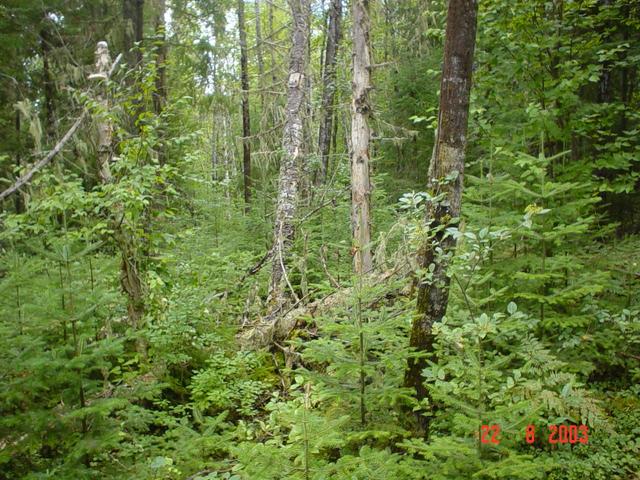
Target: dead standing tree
<point>105,129</point>
<point>444,179</point>
<point>292,145</point>
<point>130,275</point>
<point>360,136</point>
<point>280,289</point>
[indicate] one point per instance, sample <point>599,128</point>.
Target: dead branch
<point>26,178</point>
<point>323,260</point>
<point>277,326</point>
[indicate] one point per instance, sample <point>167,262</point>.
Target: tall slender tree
<point>329,86</point>
<point>246,119</point>
<point>160,95</point>
<point>360,136</point>
<point>47,79</point>
<point>259,55</point>
<point>292,146</point>
<point>445,178</point>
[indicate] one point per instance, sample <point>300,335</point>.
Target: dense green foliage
<point>543,322</point>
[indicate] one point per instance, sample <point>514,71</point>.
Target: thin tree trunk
<point>133,17</point>
<point>246,121</point>
<point>259,53</point>
<point>292,145</point>
<point>160,95</point>
<point>138,27</point>
<point>329,87</point>
<point>447,163</point>
<point>133,25</point>
<point>127,31</point>
<point>272,43</point>
<point>19,200</point>
<point>48,83</point>
<point>360,135</point>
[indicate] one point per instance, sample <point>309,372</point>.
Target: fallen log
<point>277,326</point>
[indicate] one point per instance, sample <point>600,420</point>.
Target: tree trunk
<point>360,135</point>
<point>130,275</point>
<point>105,129</point>
<point>329,87</point>
<point>292,145</point>
<point>133,16</point>
<point>447,161</point>
<point>160,95</point>
<point>48,83</point>
<point>272,43</point>
<point>19,201</point>
<point>246,120</point>
<point>259,56</point>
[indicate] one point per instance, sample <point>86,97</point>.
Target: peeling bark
<point>360,136</point>
<point>105,129</point>
<point>448,158</point>
<point>292,145</point>
<point>130,275</point>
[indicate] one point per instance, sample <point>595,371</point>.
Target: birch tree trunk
<point>292,145</point>
<point>246,120</point>
<point>130,275</point>
<point>105,130</point>
<point>447,162</point>
<point>360,135</point>
<point>329,87</point>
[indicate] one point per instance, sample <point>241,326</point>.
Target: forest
<point>319,239</point>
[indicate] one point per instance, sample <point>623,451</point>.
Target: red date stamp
<point>557,434</point>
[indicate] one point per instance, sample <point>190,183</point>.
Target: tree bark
<point>447,161</point>
<point>246,120</point>
<point>19,201</point>
<point>329,87</point>
<point>105,129</point>
<point>133,16</point>
<point>272,53</point>
<point>360,136</point>
<point>130,275</point>
<point>47,82</point>
<point>259,56</point>
<point>160,95</point>
<point>292,145</point>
